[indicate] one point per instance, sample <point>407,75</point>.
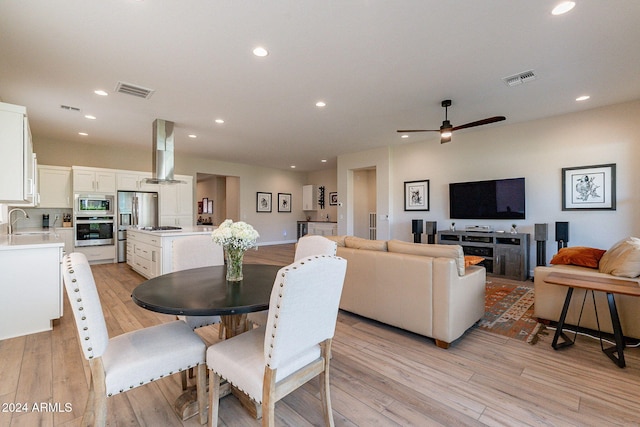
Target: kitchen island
<point>150,253</point>
<point>31,285</point>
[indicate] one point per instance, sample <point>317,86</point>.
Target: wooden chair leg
<point>96,411</point>
<point>325,389</point>
<point>201,390</point>
<point>214,398</point>
<point>269,398</point>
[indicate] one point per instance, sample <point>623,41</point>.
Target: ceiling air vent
<point>70,108</point>
<point>517,79</point>
<point>129,89</point>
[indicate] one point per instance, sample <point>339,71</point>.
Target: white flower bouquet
<point>235,235</point>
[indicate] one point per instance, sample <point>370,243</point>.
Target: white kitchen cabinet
<point>323,228</point>
<point>144,253</point>
<point>54,186</point>
<point>134,181</point>
<point>88,180</point>
<point>31,289</point>
<point>176,203</point>
<point>309,198</point>
<point>17,161</point>
<point>98,254</point>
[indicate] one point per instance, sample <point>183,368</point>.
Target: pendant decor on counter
<point>236,238</point>
<point>321,196</point>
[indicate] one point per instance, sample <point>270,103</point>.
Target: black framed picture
<point>333,199</point>
<point>416,195</point>
<point>263,202</point>
<point>589,188</point>
<point>284,202</point>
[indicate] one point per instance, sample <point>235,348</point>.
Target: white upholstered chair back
<point>196,251</point>
<point>314,245</point>
<point>303,307</point>
<point>85,304</point>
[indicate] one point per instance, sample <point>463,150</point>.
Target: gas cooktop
<point>161,228</point>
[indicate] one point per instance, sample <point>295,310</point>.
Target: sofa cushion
<point>623,259</point>
<point>338,239</point>
<point>578,255</point>
<point>360,243</point>
<point>446,251</point>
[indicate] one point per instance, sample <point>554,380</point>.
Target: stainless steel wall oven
<point>94,230</point>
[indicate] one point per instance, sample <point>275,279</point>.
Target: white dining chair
<point>132,359</point>
<point>194,252</point>
<point>269,362</point>
<point>307,246</point>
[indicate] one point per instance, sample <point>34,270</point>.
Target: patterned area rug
<point>509,308</point>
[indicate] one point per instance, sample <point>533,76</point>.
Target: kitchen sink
<point>29,233</point>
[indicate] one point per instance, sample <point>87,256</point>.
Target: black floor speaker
<point>562,234</point>
<point>431,231</point>
<point>416,229</point>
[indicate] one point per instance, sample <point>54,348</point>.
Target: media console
<point>505,254</point>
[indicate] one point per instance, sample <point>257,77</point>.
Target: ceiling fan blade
<point>481,122</point>
<point>418,130</point>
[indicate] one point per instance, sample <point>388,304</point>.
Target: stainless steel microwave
<point>92,204</point>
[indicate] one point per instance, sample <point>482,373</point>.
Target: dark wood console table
<point>601,284</point>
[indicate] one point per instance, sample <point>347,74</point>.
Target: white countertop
<point>185,231</point>
<point>28,238</point>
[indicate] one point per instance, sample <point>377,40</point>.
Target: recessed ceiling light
<point>100,92</point>
<point>90,117</point>
<point>192,136</point>
<point>219,121</point>
<point>563,7</point>
<point>321,104</point>
<point>405,136</point>
<point>260,51</point>
<point>293,166</point>
<point>583,98</point>
<point>324,160</point>
<point>83,133</point>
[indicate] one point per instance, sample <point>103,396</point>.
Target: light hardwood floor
<point>380,376</point>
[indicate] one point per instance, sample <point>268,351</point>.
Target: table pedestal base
<point>234,324</point>
<point>186,405</point>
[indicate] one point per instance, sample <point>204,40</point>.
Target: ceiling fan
<point>446,129</point>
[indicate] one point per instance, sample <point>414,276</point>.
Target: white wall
<point>536,150</point>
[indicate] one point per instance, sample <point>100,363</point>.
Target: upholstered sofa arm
<point>458,301</point>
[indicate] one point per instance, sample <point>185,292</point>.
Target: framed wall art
<point>416,195</point>
<point>263,202</point>
<point>284,202</point>
<point>589,187</point>
<point>333,199</point>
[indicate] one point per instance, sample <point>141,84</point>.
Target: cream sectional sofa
<point>621,262</point>
<point>424,289</point>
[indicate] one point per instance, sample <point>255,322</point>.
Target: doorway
<point>218,198</point>
<point>365,200</point>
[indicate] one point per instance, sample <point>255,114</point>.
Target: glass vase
<point>234,264</point>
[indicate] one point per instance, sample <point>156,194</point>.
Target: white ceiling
<point>379,65</point>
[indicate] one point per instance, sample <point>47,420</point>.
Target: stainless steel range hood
<point>163,154</point>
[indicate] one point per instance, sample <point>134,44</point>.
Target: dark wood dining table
<point>205,292</point>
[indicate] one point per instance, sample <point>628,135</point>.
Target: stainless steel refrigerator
<point>134,209</point>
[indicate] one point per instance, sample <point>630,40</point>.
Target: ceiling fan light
<point>445,137</point>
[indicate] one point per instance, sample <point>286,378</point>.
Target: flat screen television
<point>495,199</point>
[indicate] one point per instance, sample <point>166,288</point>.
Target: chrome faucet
<point>26,215</point>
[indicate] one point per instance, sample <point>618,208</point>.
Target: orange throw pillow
<point>578,255</point>
<point>472,260</point>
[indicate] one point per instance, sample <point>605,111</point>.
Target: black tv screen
<point>495,199</point>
